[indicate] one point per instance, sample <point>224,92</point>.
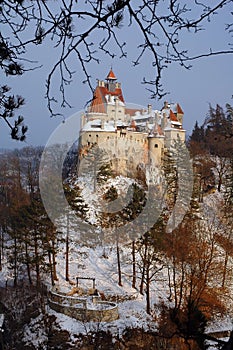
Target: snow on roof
<point>174,107</point>
<point>175,123</point>
<point>111,99</point>
<point>96,125</point>
<point>170,128</point>
<point>109,127</point>
<point>121,123</point>
<point>139,116</point>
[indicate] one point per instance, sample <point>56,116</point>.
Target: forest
<point>196,256</point>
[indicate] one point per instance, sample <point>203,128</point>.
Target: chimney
<point>149,107</point>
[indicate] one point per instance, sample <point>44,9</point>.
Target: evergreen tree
<point>8,105</point>
<point>111,194</point>
<point>34,238</point>
<point>75,200</point>
<point>104,173</point>
<point>196,141</point>
<point>90,165</point>
<point>178,171</point>
<point>78,206</point>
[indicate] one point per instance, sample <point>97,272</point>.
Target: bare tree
<point>89,29</point>
<point>195,288</point>
<point>149,266</point>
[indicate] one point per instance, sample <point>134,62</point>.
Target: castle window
<point>90,135</point>
<point>156,145</point>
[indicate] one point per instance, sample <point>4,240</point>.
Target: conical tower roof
<point>111,75</point>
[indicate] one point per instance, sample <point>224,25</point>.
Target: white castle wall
<point>126,150</point>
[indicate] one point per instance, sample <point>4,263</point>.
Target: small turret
<point>111,76</point>
<point>111,81</point>
<point>180,114</point>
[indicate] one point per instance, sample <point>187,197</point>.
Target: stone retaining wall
<point>82,310</point>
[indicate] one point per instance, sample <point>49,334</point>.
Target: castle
<point>131,136</point>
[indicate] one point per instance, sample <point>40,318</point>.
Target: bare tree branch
<point>86,30</point>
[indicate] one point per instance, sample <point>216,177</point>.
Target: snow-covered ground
<point>100,262</point>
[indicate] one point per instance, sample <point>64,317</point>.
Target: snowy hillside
<point>101,261</point>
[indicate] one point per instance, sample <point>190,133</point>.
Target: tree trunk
<point>36,258</point>
<point>28,264</point>
<point>142,279</point>
<point>219,183</point>
<point>174,281</point>
<point>200,191</point>
<point>225,269</point>
<point>15,262</point>
<point>147,289</point>
<point>119,265</point>
<point>169,284</point>
<point>67,248</point>
<point>133,265</point>
<point>54,261</point>
<point>51,267</point>
<point>95,174</point>
<point>143,268</point>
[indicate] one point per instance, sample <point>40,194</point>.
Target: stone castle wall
<point>80,309</point>
<point>126,150</point>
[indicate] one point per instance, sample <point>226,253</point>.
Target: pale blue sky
<point>210,81</point>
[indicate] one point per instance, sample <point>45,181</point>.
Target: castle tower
<point>179,114</point>
<point>156,145</point>
<point>108,101</point>
<point>105,115</point>
<point>111,81</point>
<point>172,123</point>
<point>132,137</point>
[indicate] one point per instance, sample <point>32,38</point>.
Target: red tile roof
<point>98,104</point>
<point>117,92</point>
<point>131,111</point>
<point>160,131</point>
<point>172,116</point>
<point>133,124</point>
<point>111,75</point>
<point>179,110</point>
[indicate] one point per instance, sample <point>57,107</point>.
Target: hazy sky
<point>210,81</point>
